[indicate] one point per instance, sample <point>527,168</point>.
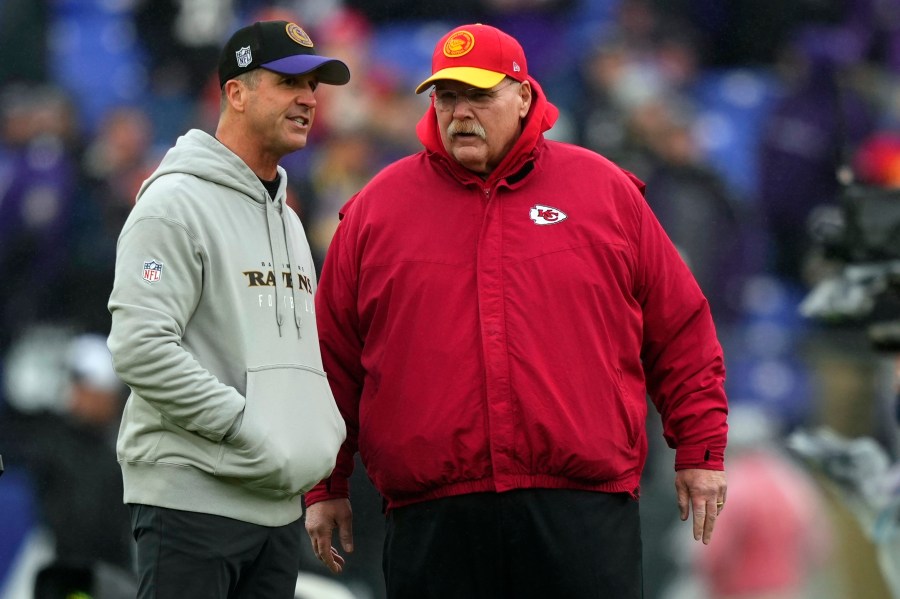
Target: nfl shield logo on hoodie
<point>152,271</point>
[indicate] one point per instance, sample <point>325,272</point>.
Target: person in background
<point>230,418</point>
<point>777,537</point>
<point>493,312</point>
<point>38,193</point>
<point>82,488</point>
<point>59,427</point>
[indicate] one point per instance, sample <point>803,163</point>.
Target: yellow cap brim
<point>469,75</point>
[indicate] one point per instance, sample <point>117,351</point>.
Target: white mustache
<point>466,127</point>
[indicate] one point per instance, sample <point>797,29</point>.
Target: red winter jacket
<point>503,334</point>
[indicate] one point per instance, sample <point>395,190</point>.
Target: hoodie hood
<point>540,118</point>
<point>199,154</point>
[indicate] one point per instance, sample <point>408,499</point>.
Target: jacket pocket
<point>290,431</point>
<point>632,411</point>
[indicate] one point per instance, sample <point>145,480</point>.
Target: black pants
<point>535,543</point>
<point>201,556</point>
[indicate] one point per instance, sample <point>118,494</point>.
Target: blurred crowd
<point>738,115</point>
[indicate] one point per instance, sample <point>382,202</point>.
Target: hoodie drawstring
<point>294,278</point>
<point>273,224</point>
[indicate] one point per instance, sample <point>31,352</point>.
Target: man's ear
<point>235,93</point>
<point>525,93</point>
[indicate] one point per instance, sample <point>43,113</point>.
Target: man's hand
<point>321,519</point>
<point>703,492</point>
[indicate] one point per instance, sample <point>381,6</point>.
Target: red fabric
<point>471,349</point>
<point>773,531</point>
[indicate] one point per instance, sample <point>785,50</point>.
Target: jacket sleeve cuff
<point>330,488</point>
<point>706,457</point>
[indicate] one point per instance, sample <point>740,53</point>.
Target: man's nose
<point>461,106</point>
<point>306,97</point>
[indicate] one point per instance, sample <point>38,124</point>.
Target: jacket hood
<point>199,154</point>
<point>540,118</point>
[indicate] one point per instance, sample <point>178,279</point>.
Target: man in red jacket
<point>493,312</point>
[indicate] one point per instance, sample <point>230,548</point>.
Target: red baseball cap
<point>479,55</point>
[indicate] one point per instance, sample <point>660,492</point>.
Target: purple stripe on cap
<point>329,70</point>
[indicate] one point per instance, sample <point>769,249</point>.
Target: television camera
<point>860,239</point>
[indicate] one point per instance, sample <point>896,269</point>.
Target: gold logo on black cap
<point>298,35</point>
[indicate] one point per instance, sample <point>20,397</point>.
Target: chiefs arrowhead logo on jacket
<point>546,215</point>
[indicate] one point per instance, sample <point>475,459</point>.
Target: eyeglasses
<point>477,97</point>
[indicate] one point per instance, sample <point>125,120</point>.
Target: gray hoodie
<point>213,328</point>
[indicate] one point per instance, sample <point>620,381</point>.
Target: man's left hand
<point>703,493</point>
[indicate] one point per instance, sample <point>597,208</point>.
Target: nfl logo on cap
<point>244,56</point>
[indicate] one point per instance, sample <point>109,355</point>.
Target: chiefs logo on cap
<point>459,44</point>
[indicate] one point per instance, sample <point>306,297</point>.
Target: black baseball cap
<point>278,46</point>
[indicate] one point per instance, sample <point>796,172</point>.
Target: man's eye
<point>480,96</point>
<point>446,96</point>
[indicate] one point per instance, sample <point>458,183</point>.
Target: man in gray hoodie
<point>230,418</point>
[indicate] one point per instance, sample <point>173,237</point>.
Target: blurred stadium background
<point>737,113</point>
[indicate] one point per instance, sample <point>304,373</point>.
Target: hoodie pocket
<point>290,432</point>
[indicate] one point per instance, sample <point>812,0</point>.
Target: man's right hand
<point>321,520</point>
